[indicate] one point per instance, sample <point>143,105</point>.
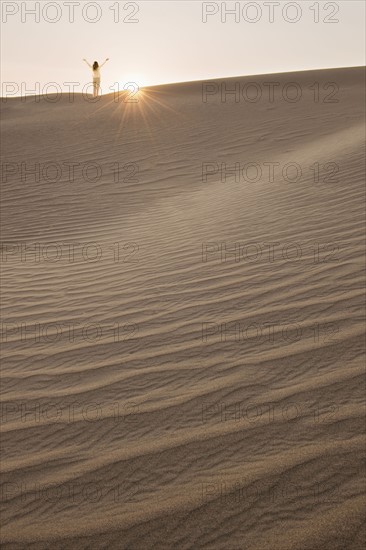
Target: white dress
<point>96,72</point>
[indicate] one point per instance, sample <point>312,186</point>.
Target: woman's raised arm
<point>87,63</point>
<point>105,62</point>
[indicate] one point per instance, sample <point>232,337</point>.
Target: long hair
<point>95,65</point>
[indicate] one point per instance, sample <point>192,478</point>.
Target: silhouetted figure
<point>96,75</point>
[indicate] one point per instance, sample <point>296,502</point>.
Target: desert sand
<point>183,351</point>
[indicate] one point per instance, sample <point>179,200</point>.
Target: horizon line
<point>148,86</point>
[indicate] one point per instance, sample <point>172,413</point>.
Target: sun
<point>130,86</point>
<point>135,99</point>
<point>135,79</point>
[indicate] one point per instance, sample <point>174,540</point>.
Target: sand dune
<point>183,345</point>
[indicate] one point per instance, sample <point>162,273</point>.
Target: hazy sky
<point>169,41</point>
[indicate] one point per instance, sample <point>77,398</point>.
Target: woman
<point>96,75</point>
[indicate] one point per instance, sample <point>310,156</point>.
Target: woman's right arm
<point>87,63</point>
